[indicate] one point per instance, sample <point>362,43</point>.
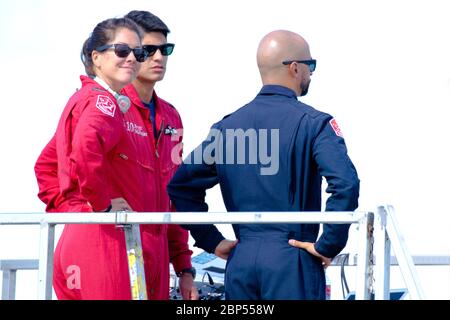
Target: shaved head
<point>276,47</point>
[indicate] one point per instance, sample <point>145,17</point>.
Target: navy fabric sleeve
<point>187,191</point>
<point>330,154</point>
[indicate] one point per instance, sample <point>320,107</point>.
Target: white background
<point>383,72</point>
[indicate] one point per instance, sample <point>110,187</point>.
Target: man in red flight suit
<point>161,243</point>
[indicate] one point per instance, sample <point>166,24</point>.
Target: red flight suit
<point>97,154</point>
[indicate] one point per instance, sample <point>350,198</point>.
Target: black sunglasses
<point>166,49</point>
<point>123,50</point>
<point>310,63</point>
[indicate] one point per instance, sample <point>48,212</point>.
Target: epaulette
<point>98,89</point>
<point>227,116</point>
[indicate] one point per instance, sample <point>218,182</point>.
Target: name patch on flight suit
<point>105,105</point>
<point>336,128</point>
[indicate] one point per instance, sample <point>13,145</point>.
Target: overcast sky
<point>383,72</point>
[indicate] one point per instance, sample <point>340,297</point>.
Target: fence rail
<point>365,234</point>
<point>124,217</point>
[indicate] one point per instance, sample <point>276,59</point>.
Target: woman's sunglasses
<point>166,49</point>
<point>123,50</point>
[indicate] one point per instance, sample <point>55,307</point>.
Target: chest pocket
<point>169,148</point>
<point>170,154</point>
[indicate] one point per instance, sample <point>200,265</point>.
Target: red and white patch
<point>336,128</point>
<point>106,105</point>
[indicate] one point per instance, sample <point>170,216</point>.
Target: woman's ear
<point>96,58</point>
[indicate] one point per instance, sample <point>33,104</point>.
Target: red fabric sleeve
<point>46,170</point>
<point>180,254</point>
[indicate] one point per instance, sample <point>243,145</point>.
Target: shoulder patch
<point>106,105</point>
<point>336,128</point>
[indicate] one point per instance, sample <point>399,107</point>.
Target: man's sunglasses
<point>123,50</point>
<point>166,49</point>
<point>310,63</point>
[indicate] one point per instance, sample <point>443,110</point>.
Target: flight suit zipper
<point>158,169</point>
<point>158,138</point>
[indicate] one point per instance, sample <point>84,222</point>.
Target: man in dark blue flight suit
<point>273,261</point>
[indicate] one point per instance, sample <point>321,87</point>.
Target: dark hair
<point>148,21</point>
<point>102,34</point>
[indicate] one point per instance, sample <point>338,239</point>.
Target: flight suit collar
<point>131,92</point>
<point>271,89</point>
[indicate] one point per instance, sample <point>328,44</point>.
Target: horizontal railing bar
<point>19,264</point>
<point>180,217</point>
<point>419,260</point>
<point>424,260</point>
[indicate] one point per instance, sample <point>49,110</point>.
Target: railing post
<point>364,268</point>
<point>383,257</point>
<point>404,259</point>
<point>9,284</point>
<point>46,247</point>
<point>135,261</point>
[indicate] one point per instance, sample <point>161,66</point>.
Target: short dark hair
<point>101,35</point>
<point>148,21</point>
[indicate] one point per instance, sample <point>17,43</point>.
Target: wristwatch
<point>192,271</point>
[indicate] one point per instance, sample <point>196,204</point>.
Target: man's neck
<point>144,89</point>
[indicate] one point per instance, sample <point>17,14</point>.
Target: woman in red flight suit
<point>160,243</point>
<point>92,147</point>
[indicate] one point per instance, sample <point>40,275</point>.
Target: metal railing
<point>9,269</point>
<point>384,224</point>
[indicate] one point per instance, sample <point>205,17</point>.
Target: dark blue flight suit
<point>263,265</point>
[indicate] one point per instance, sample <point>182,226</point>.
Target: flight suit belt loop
<point>277,235</point>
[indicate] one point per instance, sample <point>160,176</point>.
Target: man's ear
<point>293,69</point>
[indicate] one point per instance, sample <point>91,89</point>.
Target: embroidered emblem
<point>132,127</point>
<point>170,131</point>
<point>336,128</point>
<point>105,105</point>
